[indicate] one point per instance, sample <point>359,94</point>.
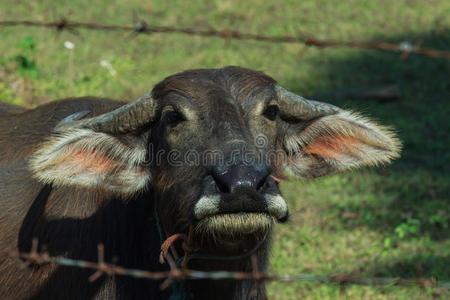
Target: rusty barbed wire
<point>141,27</point>
<point>103,268</point>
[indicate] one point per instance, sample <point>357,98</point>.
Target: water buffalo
<point>204,150</point>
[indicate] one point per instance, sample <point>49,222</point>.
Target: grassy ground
<point>390,221</point>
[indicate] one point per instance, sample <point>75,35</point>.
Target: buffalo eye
<point>271,112</point>
<point>173,117</point>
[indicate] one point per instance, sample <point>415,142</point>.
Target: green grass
<point>373,222</point>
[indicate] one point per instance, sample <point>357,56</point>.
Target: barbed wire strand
<point>142,27</point>
<point>103,268</point>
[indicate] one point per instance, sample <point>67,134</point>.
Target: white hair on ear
<point>339,142</point>
<point>92,159</point>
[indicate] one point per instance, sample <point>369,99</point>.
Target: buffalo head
<point>209,148</point>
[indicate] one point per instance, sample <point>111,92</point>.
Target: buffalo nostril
<point>221,185</point>
<point>261,182</point>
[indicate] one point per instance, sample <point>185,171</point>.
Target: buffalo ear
<point>83,157</point>
<point>335,143</point>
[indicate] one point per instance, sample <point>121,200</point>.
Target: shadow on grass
<point>429,266</point>
<point>413,194</point>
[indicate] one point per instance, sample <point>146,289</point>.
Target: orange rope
<point>187,246</point>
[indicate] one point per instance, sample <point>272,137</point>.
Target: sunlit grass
<point>383,222</point>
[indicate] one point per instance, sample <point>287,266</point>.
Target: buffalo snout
<point>239,176</point>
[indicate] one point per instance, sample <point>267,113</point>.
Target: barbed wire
<point>141,27</point>
<point>103,268</point>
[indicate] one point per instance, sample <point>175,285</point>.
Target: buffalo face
<point>214,155</point>
<point>210,146</point>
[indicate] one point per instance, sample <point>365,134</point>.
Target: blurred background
<point>391,221</point>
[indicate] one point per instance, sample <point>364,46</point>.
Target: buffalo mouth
<point>267,200</point>
<point>241,213</point>
<point>268,204</point>
<point>232,224</point>
<point>233,230</point>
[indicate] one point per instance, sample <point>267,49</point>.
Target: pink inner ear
<point>333,146</point>
<point>91,161</point>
